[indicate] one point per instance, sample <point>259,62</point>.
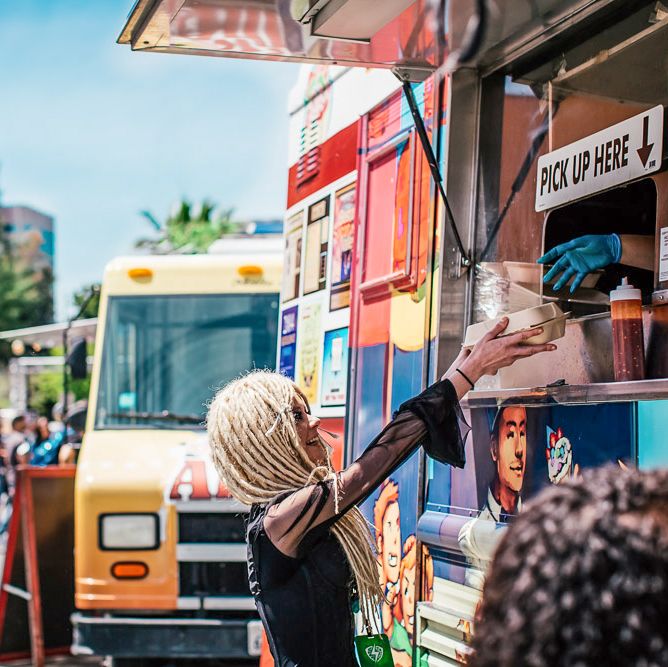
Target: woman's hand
<point>491,353</point>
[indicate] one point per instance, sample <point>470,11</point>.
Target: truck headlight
<point>129,531</point>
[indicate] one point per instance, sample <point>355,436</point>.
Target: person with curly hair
<point>580,579</point>
<point>309,548</point>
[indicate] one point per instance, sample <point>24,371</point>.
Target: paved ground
<point>60,661</point>
<point>71,661</point>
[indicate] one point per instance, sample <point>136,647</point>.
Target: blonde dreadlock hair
<point>256,451</point>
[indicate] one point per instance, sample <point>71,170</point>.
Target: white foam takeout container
<point>548,316</point>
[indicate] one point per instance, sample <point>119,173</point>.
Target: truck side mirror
<point>76,359</point>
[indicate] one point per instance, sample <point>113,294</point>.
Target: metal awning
<point>51,335</point>
<point>412,36</point>
<point>390,33</point>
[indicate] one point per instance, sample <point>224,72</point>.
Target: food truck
<point>543,121</point>
<point>316,328</point>
<point>160,564</point>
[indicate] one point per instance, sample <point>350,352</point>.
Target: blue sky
<point>92,133</point>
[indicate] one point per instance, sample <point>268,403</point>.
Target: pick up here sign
<point>613,156</point>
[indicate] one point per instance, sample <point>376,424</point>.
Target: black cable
<point>433,166</point>
<point>518,183</point>
<point>474,34</point>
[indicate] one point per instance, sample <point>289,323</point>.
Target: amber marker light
<point>129,570</point>
<point>140,273</point>
<point>250,271</point>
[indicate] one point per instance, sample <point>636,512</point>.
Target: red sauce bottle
<point>627,335</point>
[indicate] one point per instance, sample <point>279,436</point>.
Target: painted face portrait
<point>509,448</point>
<point>387,525</point>
<point>390,549</point>
<point>408,597</point>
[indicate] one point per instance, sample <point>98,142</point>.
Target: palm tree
<point>188,228</point>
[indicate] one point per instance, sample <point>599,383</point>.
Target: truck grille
<point>212,579</point>
<point>208,527</point>
<point>211,553</point>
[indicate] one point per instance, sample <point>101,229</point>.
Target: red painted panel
<point>334,425</point>
<point>338,156</point>
<point>384,122</point>
<point>375,315</point>
<point>383,182</point>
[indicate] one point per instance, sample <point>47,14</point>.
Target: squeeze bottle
<point>627,336</point>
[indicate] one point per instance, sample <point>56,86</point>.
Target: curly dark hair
<point>580,579</point>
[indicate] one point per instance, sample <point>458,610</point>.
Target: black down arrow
<point>645,150</point>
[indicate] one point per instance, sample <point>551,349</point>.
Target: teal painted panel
<point>652,434</point>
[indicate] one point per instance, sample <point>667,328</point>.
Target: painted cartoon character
<point>404,612</point>
<point>386,519</point>
<point>559,455</point>
<point>508,449</point>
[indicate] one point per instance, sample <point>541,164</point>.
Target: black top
<point>298,572</point>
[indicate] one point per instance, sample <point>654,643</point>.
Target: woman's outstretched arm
<point>288,521</point>
<point>432,419</point>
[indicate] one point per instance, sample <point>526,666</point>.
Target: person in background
<point>17,443</point>
<point>16,451</point>
<point>47,443</point>
<point>579,257</point>
<point>42,431</point>
<point>581,577</point>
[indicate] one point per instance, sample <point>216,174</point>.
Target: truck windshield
<point>165,356</point>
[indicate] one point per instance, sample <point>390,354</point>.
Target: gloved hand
<point>580,257</point>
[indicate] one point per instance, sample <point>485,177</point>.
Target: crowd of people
<point>34,440</point>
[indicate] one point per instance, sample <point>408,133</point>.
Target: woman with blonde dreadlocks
<point>309,548</point>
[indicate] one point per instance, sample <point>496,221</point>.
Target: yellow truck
<point>160,559</point>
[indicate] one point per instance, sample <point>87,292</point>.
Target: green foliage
<point>80,296</point>
<point>46,389</point>
<point>189,229</point>
<point>4,390</point>
<point>26,297</point>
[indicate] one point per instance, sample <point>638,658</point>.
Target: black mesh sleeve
<point>439,410</point>
<point>432,418</point>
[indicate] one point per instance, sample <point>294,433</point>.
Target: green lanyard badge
<point>374,651</point>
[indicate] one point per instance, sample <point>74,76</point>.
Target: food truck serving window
<point>616,79</point>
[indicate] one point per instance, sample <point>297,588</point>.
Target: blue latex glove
<point>580,257</point>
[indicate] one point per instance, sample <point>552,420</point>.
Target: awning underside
<point>393,33</point>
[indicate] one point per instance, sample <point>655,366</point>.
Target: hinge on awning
<point>433,166</point>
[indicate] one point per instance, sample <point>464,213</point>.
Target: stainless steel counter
<point>584,360</point>
<point>603,392</point>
